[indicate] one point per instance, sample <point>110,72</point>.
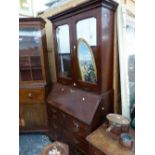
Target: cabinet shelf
<point>36,68</point>
<point>25,68</point>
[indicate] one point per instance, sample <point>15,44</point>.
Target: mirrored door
<point>86,36</point>
<point>63,51</point>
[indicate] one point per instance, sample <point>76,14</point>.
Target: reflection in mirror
<point>87,29</point>
<point>130,47</point>
<point>63,45</point>
<point>86,62</point>
<point>126,45</point>
<point>29,39</point>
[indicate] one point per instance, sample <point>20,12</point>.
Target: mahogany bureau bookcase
<point>83,94</point>
<point>34,75</point>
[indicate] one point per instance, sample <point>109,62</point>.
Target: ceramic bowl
<point>117,123</point>
<point>126,140</point>
<point>117,119</point>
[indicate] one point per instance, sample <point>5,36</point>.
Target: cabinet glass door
<point>87,42</point>
<point>36,68</point>
<point>64,52</point>
<point>29,41</point>
<point>25,69</point>
<point>29,47</point>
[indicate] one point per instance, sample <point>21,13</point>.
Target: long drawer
<point>37,94</point>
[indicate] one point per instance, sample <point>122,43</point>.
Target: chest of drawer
<point>31,95</point>
<point>68,123</point>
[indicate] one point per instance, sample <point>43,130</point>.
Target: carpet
<point>32,144</point>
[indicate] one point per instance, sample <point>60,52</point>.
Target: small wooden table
<point>102,143</point>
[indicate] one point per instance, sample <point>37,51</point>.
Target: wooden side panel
<point>33,116</point>
<point>107,49</point>
<point>104,108</point>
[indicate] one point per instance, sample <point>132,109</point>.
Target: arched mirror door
<point>86,62</point>
<point>87,42</point>
<point>64,51</point>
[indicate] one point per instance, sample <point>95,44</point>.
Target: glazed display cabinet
<point>34,82</point>
<point>83,43</point>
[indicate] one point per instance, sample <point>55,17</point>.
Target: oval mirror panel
<point>86,62</point>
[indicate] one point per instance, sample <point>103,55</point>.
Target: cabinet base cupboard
<point>34,75</point>
<point>83,44</point>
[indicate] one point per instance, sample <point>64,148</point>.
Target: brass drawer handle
<point>55,126</point>
<point>29,95</point>
<point>55,136</point>
<point>63,115</point>
<point>74,47</point>
<point>53,110</point>
<point>55,116</point>
<point>72,91</point>
<point>74,84</point>
<point>23,124</point>
<point>76,126</point>
<point>76,130</point>
<point>75,141</point>
<point>65,132</point>
<point>62,89</point>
